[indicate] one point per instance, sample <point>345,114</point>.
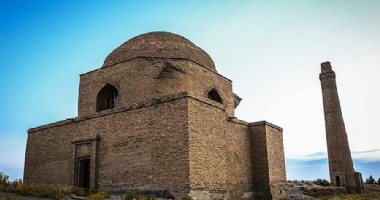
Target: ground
<point>296,189</point>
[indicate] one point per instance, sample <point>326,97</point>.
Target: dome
<point>159,45</point>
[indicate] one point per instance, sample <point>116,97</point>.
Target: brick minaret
<point>341,168</point>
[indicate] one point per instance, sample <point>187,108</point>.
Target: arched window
<point>214,95</point>
<point>107,98</point>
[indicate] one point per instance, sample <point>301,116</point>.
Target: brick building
<point>158,116</point>
<point>341,168</point>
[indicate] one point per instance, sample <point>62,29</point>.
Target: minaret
<point>342,173</point>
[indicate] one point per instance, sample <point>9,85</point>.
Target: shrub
<point>3,178</point>
<point>51,191</point>
<point>98,195</point>
<point>76,190</point>
<point>370,180</point>
<point>15,186</point>
<point>185,198</point>
<point>137,195</point>
<point>308,183</point>
<point>4,183</point>
<point>322,182</point>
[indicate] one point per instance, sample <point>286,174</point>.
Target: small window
<point>107,98</point>
<point>214,95</point>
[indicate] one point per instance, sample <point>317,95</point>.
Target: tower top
<point>326,67</point>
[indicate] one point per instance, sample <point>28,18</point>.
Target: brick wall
<point>207,138</point>
<point>143,79</point>
<point>239,159</point>
<point>144,148</point>
<point>268,161</point>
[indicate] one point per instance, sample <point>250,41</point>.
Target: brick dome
<point>159,45</point>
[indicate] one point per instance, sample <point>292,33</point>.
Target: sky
<point>271,50</point>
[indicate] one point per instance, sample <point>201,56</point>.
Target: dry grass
<point>50,191</point>
<point>99,195</point>
<point>137,195</point>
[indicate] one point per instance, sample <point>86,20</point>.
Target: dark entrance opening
<point>214,95</point>
<point>84,172</point>
<point>107,98</point>
<point>337,180</point>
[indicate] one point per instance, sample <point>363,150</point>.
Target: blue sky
<point>270,49</point>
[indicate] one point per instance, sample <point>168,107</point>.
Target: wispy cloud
<point>315,165</point>
<point>368,155</point>
<point>315,156</point>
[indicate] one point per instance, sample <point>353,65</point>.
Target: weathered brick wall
<point>268,161</point>
<point>239,159</point>
<point>200,81</point>
<point>276,162</point>
<point>207,138</point>
<point>144,148</point>
<point>49,156</point>
<point>134,81</point>
<point>260,170</point>
<point>179,143</point>
<point>150,150</point>
<point>220,153</point>
<point>276,158</point>
<point>142,79</point>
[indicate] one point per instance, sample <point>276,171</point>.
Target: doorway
<point>337,180</point>
<point>84,165</point>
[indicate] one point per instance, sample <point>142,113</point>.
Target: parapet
<point>326,72</point>
<point>260,123</point>
<point>326,66</point>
